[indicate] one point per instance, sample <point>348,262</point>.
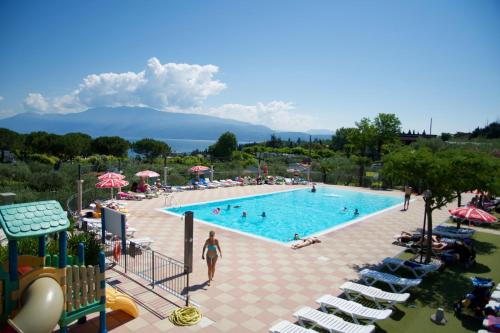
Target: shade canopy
<point>111,183</point>
<point>473,214</point>
<point>111,175</point>
<point>199,168</point>
<point>147,173</point>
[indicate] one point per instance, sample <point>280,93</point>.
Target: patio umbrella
<point>111,183</point>
<point>147,174</point>
<point>111,175</point>
<point>473,214</point>
<point>198,169</point>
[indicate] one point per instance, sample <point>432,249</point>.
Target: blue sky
<point>287,64</point>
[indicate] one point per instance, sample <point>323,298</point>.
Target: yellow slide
<point>116,300</point>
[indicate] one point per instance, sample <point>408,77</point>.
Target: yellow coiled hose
<point>186,316</point>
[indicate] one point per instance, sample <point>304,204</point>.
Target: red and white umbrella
<point>199,169</point>
<point>111,175</point>
<point>473,214</point>
<point>147,173</point>
<point>111,183</point>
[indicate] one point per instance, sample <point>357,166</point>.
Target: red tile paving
<point>257,282</point>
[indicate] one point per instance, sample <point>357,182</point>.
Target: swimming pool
<point>296,211</point>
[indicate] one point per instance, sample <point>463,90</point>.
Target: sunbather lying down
<point>416,240</point>
<point>305,242</point>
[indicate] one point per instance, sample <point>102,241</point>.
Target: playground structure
<point>39,292</point>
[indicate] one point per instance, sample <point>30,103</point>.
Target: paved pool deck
<point>257,282</point>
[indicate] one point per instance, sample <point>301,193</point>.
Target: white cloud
<point>36,102</point>
<point>168,87</point>
<point>163,87</point>
<point>1,98</point>
<point>6,113</point>
<point>277,115</point>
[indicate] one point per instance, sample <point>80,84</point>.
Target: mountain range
<point>138,122</point>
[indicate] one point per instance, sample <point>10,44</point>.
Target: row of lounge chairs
<point>359,313</point>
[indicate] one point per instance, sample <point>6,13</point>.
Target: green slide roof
<point>32,219</point>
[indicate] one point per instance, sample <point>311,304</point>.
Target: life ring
<point>117,250</point>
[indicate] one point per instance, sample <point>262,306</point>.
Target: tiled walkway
<point>259,282</point>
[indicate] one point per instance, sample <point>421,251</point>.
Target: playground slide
<point>116,300</point>
<point>42,307</point>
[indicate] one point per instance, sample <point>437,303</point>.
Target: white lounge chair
<point>353,309</point>
<point>495,295</point>
<point>382,299</point>
<point>144,242</point>
<point>329,322</point>
<point>419,270</point>
<point>370,277</point>
<point>285,326</point>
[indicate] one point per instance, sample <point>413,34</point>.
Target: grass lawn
<point>440,289</point>
<point>443,289</point>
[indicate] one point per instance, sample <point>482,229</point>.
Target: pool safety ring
<point>186,316</point>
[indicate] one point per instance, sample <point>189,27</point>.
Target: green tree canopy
<point>224,147</point>
<point>110,145</point>
<point>75,144</point>
<point>340,141</point>
<point>445,174</point>
<point>151,148</point>
<point>387,127</point>
<point>10,140</point>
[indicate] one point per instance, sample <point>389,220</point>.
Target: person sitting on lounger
<point>306,242</point>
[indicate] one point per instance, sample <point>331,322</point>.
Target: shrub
<point>43,158</point>
<point>91,244</point>
<point>46,181</point>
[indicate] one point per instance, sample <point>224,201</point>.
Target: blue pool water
<point>290,212</point>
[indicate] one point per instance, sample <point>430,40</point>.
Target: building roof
<point>32,219</point>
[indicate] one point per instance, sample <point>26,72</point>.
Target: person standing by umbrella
<point>212,245</point>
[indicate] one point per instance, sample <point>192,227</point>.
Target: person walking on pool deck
<point>408,190</point>
<point>212,245</point>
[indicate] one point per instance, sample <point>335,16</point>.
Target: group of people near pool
<point>217,211</point>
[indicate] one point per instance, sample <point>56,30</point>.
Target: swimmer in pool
<point>344,210</point>
<point>244,214</point>
<point>228,207</point>
<point>216,211</point>
<point>356,212</point>
<point>237,206</point>
<point>296,236</point>
<point>263,214</point>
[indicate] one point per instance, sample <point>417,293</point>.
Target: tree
<point>442,174</point>
<point>421,166</point>
<point>387,127</point>
<point>341,139</point>
<point>75,144</point>
<point>472,171</point>
<point>224,147</point>
<point>151,148</point>
<point>10,140</point>
<point>110,145</point>
<point>363,139</point>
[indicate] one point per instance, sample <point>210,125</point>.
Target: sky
<point>290,65</point>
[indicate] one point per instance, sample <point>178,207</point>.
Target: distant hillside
<point>136,122</point>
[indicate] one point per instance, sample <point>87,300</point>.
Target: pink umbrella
<point>147,173</point>
<point>199,169</point>
<point>111,175</point>
<point>111,183</point>
<point>473,214</point>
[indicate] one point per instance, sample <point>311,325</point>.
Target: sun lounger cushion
<point>453,232</point>
<point>371,276</point>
